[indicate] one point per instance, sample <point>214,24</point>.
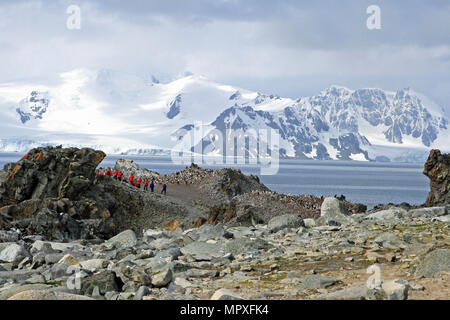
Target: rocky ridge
<point>229,238</point>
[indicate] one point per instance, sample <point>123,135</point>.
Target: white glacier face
<point>124,113</point>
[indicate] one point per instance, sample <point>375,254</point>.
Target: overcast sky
<point>292,48</point>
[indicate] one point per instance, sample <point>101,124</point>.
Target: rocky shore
<point>66,233</point>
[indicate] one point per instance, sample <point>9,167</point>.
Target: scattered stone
<point>69,260</point>
<point>396,289</point>
<point>389,240</point>
<point>126,238</point>
<point>285,221</point>
<point>434,263</point>
<point>333,209</point>
<point>104,280</point>
<point>245,245</point>
<point>14,253</point>
<point>203,251</point>
<point>309,223</point>
<point>142,291</point>
<point>316,281</point>
<point>47,295</point>
<point>161,279</point>
<point>224,294</point>
<point>389,214</point>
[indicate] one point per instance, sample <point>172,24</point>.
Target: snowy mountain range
<point>126,114</point>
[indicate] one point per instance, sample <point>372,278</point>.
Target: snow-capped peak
<point>122,111</point>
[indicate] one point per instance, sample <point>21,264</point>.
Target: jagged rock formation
<point>129,167</point>
<point>50,172</point>
<point>437,168</point>
<point>44,193</point>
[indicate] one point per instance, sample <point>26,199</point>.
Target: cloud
<point>289,47</point>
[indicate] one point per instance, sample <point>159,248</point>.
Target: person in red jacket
<point>115,174</point>
<point>131,179</point>
<point>120,175</point>
<point>108,173</point>
<point>139,183</point>
<point>146,184</point>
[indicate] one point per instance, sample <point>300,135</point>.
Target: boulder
<point>54,226</point>
<point>126,238</point>
<point>133,273</point>
<point>350,293</point>
<point>129,167</point>
<point>207,232</point>
<point>428,212</point>
<point>69,260</point>
<point>246,245</point>
<point>18,275</point>
<point>434,263</point>
<point>14,253</point>
<point>225,294</point>
<point>389,240</point>
<point>8,236</point>
<point>437,169</point>
<point>285,221</point>
<point>162,278</point>
<point>47,295</point>
<point>309,222</point>
<point>141,293</point>
<point>104,280</point>
<point>332,211</point>
<point>396,289</point>
<point>241,231</point>
<point>316,281</point>
<point>94,264</point>
<point>203,250</point>
<point>388,214</point>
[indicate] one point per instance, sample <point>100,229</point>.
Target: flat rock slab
<point>47,295</point>
<point>18,275</point>
<point>316,281</point>
<point>285,221</point>
<point>7,292</point>
<point>125,238</point>
<point>393,213</point>
<point>203,250</point>
<point>245,245</point>
<point>434,263</point>
<point>351,293</point>
<point>38,245</point>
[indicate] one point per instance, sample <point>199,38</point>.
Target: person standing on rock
<point>108,173</point>
<point>146,184</point>
<point>164,189</point>
<point>132,179</point>
<point>120,175</point>
<point>152,186</point>
<point>139,183</point>
<point>115,174</point>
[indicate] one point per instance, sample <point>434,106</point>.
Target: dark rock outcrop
<point>44,193</point>
<point>50,173</point>
<point>437,168</point>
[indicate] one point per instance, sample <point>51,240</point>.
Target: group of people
<point>118,175</point>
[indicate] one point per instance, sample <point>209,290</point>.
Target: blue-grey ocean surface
<point>370,183</point>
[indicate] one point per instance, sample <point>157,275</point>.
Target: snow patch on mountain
<point>125,113</point>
